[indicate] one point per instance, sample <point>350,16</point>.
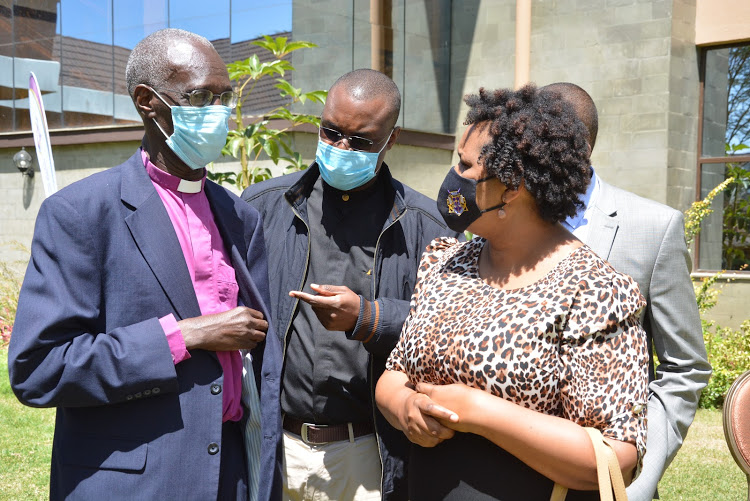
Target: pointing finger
<point>304,296</point>
<point>327,290</point>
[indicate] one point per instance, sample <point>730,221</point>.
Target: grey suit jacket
<point>646,240</point>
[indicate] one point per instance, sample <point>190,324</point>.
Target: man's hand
<point>336,306</point>
<point>235,329</point>
<point>420,420</point>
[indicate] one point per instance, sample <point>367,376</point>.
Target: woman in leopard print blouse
<point>519,338</point>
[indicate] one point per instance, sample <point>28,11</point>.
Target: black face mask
<point>457,201</point>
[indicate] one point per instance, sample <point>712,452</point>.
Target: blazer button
<point>213,448</point>
<point>215,389</point>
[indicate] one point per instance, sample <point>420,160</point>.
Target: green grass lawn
<point>25,444</point>
<point>703,470</point>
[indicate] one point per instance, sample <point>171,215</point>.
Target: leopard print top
<point>569,345</point>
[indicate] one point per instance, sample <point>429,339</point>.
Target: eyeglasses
<point>202,97</point>
<point>355,142</point>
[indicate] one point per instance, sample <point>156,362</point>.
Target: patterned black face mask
<point>457,201</point>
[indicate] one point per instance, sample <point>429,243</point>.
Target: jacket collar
<point>299,192</point>
<point>155,237</point>
<point>604,221</point>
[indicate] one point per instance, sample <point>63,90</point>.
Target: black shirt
<point>325,374</point>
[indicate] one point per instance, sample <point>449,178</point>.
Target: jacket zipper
<point>369,355</point>
<point>301,285</point>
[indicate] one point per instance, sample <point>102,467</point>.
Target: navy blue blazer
<point>105,266</point>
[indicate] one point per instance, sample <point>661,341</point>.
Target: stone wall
<point>20,197</point>
<point>636,59</point>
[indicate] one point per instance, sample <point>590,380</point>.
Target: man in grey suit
<point>646,240</point>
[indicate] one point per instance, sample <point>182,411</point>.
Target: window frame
<point>701,160</point>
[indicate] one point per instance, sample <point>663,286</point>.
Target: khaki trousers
<point>336,471</point>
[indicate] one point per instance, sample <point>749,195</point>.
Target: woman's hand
<point>413,413</point>
<point>460,398</point>
<point>422,420</point>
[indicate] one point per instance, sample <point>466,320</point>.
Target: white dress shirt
<point>578,224</point>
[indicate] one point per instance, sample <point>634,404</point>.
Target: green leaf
<point>281,114</point>
<point>316,96</point>
<point>259,174</point>
<point>271,147</point>
<point>234,145</point>
<point>286,147</point>
<point>279,47</point>
<point>732,148</point>
<point>287,89</point>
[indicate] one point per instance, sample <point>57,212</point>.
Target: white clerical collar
<point>186,186</point>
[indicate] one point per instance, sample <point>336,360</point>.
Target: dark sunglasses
<point>355,142</point>
<point>203,97</point>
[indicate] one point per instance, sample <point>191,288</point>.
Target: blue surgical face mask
<point>199,133</point>
<point>346,169</point>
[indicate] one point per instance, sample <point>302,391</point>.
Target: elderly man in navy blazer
<point>146,292</point>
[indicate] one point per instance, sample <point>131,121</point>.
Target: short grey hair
<point>149,61</point>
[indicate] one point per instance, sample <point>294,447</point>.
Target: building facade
<point>660,72</point>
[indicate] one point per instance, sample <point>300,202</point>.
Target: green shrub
<point>729,354</point>
<point>728,349</point>
<point>10,286</point>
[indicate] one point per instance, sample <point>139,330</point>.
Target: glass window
<point>78,50</point>
<point>724,240</point>
<point>416,43</point>
<point>133,20</point>
<point>86,62</point>
<point>7,90</point>
<point>251,20</point>
<point>422,49</point>
<point>28,42</point>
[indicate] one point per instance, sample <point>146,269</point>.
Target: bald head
<point>582,104</point>
<point>366,84</point>
<point>154,58</point>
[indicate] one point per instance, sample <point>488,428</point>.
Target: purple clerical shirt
<point>210,270</point>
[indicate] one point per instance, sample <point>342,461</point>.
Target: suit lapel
<point>604,222</point>
<point>232,231</point>
<point>155,237</point>
<point>229,224</point>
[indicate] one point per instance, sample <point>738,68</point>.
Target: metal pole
<point>381,37</point>
<point>523,42</point>
<point>377,62</point>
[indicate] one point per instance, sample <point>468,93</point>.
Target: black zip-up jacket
<point>411,224</point>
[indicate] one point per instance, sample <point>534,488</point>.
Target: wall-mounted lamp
<point>23,162</point>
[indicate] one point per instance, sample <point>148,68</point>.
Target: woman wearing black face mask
<point>521,337</point>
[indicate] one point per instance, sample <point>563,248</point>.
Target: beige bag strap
<point>607,470</point>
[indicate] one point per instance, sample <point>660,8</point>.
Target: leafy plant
<point>729,354</point>
<point>247,142</point>
<point>728,349</point>
<point>700,210</point>
<point>10,286</point>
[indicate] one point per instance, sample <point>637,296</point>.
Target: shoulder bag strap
<point>607,470</point>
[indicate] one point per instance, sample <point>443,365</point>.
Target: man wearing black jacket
<point>344,241</point>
